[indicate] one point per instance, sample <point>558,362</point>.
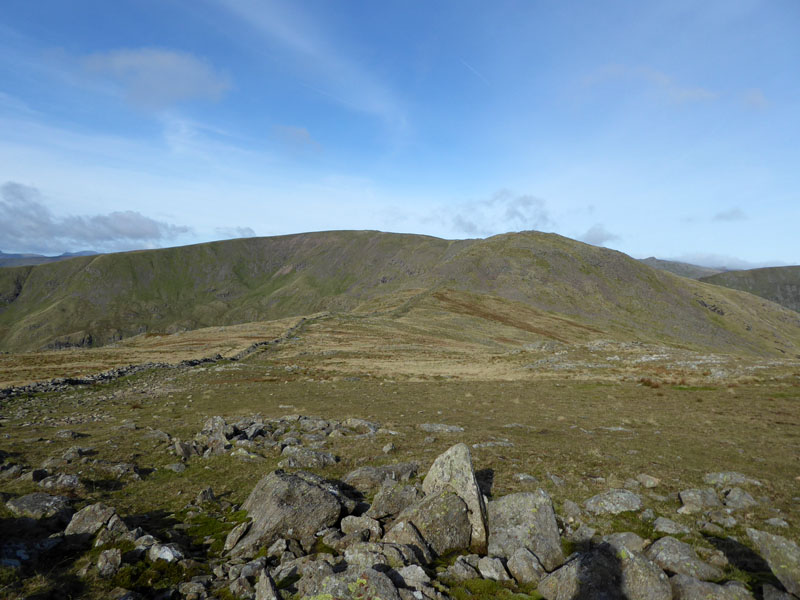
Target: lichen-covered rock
<point>286,505</point>
<point>609,573</point>
<point>727,478</point>
<point>109,562</point>
<point>525,520</point>
<point>305,458</point>
<point>167,552</point>
<point>737,498</point>
<point>352,524</point>
<point>613,502</point>
<point>369,479</point>
<point>525,567</point>
<point>685,587</point>
<point>371,554</point>
<point>265,588</point>
<point>668,526</point>
<point>405,533</point>
<point>461,570</point>
<point>782,556</point>
<point>90,519</point>
<point>452,471</point>
<point>443,521</point>
<point>393,499</point>
<point>697,500</point>
<point>40,505</point>
<point>676,557</point>
<point>491,567</point>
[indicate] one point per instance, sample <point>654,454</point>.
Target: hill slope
<point>778,284</point>
<point>680,268</point>
<point>96,300</point>
<point>24,260</point>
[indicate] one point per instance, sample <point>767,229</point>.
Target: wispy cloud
<point>672,89</point>
<point>317,56</point>
<point>501,213</point>
<point>28,225</point>
<point>723,261</point>
<point>755,99</point>
<point>475,72</point>
<point>297,139</point>
<point>156,78</point>
<point>235,232</point>
<point>598,235</point>
<point>732,214</point>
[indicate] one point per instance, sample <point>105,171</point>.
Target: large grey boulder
<point>405,533</point>
<point>697,500</point>
<point>392,499</point>
<point>289,506</point>
<point>613,502</point>
<point>685,587</point>
<point>297,457</point>
<point>452,471</point>
<point>525,520</point>
<point>40,505</point>
<point>525,567</point>
<point>782,556</point>
<point>369,479</point>
<point>354,582</point>
<point>608,574</point>
<point>676,557</point>
<point>443,521</point>
<point>737,498</point>
<point>90,519</point>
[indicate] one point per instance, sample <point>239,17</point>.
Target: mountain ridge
<point>91,301</point>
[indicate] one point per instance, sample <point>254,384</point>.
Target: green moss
<point>486,589</point>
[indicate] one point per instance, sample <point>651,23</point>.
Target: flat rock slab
<point>782,556</point>
<point>613,502</point>
<point>39,506</point>
<point>452,471</point>
<point>440,428</point>
<point>525,520</point>
<point>90,519</point>
<point>676,557</point>
<point>726,478</point>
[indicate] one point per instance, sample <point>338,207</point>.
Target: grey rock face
<point>782,556</point>
<point>39,505</point>
<point>372,554</point>
<point>167,552</point>
<point>90,519</point>
<point>393,499</point>
<point>613,502</point>
<point>304,458</point>
<point>697,500</point>
<point>626,540</point>
<point>690,588</point>
<point>603,573</point>
<point>727,478</point>
<point>770,592</point>
<point>492,568</point>
<point>286,505</point>
<point>354,524</point>
<point>265,588</point>
<point>461,570</point>
<point>647,481</point>
<point>664,525</point>
<point>405,533</point>
<point>369,479</point>
<point>525,520</point>
<point>737,498</point>
<point>440,428</point>
<point>443,521</point>
<point>108,562</point>
<point>452,471</point>
<point>60,482</point>
<point>676,557</point>
<point>525,567</point>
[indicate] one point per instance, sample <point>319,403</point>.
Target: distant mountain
<point>565,289</point>
<point>778,284</point>
<point>680,268</point>
<point>23,260</point>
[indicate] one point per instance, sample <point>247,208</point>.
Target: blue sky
<point>667,129</point>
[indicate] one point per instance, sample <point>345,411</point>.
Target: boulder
<point>491,567</point>
<point>685,587</point>
<point>525,567</point>
<point>265,588</point>
<point>109,562</point>
<point>727,478</point>
<point>285,505</point>
<point>167,552</point>
<point>443,521</point>
<point>90,519</point>
<point>393,499</point>
<point>613,502</point>
<point>668,526</point>
<point>525,520</point>
<point>40,505</point>
<point>676,557</point>
<point>697,500</point>
<point>452,471</point>
<point>440,428</point>
<point>369,479</point>
<point>352,524</point>
<point>304,458</point>
<point>405,533</point>
<point>782,556</point>
<point>737,498</point>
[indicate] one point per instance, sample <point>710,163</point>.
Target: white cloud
<point>157,78</point>
<point>28,225</point>
<point>316,56</point>
<point>501,213</point>
<point>673,90</point>
<point>723,261</point>
<point>732,214</point>
<point>235,232</point>
<point>598,235</point>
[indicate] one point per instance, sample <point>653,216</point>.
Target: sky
<point>666,129</point>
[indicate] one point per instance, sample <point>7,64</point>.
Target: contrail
<point>477,73</point>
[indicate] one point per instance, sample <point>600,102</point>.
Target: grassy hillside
<point>778,284</point>
<point>91,301</point>
<point>680,268</point>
